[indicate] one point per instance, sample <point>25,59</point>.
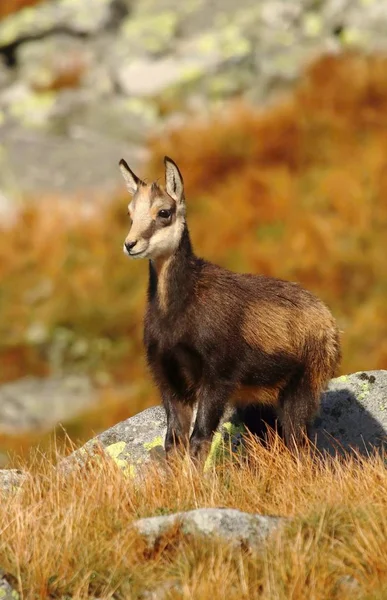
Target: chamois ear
<point>132,181</point>
<point>173,180</point>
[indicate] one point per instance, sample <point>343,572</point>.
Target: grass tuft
<point>73,536</point>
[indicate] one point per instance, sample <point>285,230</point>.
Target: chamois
<point>214,337</point>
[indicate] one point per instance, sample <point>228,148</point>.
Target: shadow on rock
<point>352,418</point>
<point>351,421</point>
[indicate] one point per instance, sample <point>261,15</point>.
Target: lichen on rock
<point>227,441</point>
<point>11,481</point>
<point>6,590</point>
<point>353,416</point>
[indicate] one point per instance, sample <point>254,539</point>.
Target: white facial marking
<point>164,240</point>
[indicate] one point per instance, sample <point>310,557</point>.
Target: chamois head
<point>157,215</point>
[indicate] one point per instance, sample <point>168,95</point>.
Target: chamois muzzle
<point>130,245</point>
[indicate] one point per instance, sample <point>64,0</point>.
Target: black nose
<point>130,245</point>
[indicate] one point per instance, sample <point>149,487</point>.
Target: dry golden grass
<point>73,537</point>
<point>298,190</point>
<point>10,6</point>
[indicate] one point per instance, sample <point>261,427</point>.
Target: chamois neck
<point>170,278</point>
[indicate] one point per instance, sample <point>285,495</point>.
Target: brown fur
<point>245,395</point>
<point>214,337</point>
<point>274,329</point>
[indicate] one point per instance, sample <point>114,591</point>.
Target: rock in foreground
<point>227,524</point>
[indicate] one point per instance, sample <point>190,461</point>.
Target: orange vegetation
<point>72,536</point>
<point>297,190</point>
<point>10,6</point>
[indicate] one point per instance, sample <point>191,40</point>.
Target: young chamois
<point>213,336</point>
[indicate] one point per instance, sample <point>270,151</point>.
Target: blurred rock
<point>150,78</point>
<point>82,163</point>
<point>102,72</point>
<point>6,74</point>
<point>117,118</point>
<point>40,404</point>
<point>148,32</point>
<point>86,17</point>
<point>28,108</point>
<point>55,62</point>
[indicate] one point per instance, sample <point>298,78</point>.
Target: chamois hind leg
<point>298,405</point>
<point>211,406</point>
<point>179,418</point>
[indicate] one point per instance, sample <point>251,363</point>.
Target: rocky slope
<point>82,83</point>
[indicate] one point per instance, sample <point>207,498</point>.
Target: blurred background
<point>276,113</point>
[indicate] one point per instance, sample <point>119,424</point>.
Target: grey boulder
<point>139,439</point>
<point>353,415</point>
<point>226,524</point>
<point>78,17</point>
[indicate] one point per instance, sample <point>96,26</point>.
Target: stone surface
<point>86,17</point>
<point>139,439</point>
<point>353,415</point>
<point>7,592</point>
<point>163,591</point>
<point>83,163</point>
<point>39,404</point>
<point>150,78</point>
<point>227,524</point>
<point>53,61</point>
<point>10,481</point>
<point>81,79</point>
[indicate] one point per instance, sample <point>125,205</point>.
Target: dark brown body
<point>213,336</point>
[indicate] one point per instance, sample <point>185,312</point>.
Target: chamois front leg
<point>211,406</point>
<point>179,418</point>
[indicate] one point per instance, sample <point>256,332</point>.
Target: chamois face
<point>157,215</point>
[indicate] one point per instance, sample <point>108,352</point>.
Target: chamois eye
<point>164,213</point>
